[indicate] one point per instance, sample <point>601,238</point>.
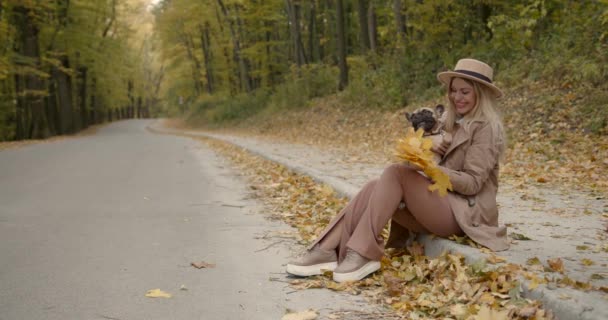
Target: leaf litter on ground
<point>412,284</point>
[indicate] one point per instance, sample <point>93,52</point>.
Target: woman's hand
<point>440,146</point>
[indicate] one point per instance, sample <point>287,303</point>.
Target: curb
<point>583,305</point>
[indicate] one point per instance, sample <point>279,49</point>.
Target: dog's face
<point>425,118</point>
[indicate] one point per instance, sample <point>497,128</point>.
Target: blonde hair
<point>484,110</point>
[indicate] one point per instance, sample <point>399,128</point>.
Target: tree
<point>341,40</point>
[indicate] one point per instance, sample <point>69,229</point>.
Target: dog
<point>431,122</point>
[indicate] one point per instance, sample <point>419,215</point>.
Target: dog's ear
<point>408,116</point>
<point>440,109</point>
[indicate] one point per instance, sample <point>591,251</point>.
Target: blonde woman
<point>352,244</point>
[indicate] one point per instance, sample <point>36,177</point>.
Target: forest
<point>68,64</point>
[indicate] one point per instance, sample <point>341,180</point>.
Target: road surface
<point>89,224</point>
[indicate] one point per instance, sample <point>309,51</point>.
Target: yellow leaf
<point>416,150</point>
<point>533,284</point>
<point>587,262</point>
<point>458,310</point>
<point>304,315</point>
<point>494,259</point>
<point>485,313</point>
<point>157,293</point>
<point>556,265</point>
<point>487,298</point>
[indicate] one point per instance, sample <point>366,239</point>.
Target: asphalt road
<point>89,224</point>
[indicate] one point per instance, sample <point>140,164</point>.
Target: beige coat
<point>471,162</point>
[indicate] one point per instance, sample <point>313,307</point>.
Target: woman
<point>352,244</point>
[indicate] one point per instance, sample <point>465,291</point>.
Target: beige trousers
<point>360,223</point>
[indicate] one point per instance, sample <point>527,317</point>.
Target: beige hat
<point>473,70</point>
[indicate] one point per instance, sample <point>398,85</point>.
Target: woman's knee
<point>398,170</point>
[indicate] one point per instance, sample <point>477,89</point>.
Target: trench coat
<point>471,162</point>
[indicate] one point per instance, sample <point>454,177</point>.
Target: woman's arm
<point>480,159</point>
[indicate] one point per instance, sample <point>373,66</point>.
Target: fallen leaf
<point>556,265</point>
<point>394,285</point>
<point>202,264</point>
<point>494,259</point>
<point>533,284</point>
<point>533,261</point>
<point>304,315</point>
<point>518,236</point>
<point>458,310</point>
<point>485,313</point>
<point>416,249</point>
<point>587,262</point>
<point>157,293</point>
<point>527,312</point>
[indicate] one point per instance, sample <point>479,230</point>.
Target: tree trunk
<point>341,39</point>
<point>236,43</point>
<point>485,12</point>
<point>63,93</point>
<point>294,30</point>
<point>82,92</point>
<point>51,109</point>
<point>372,28</point>
<point>323,30</point>
<point>313,34</point>
<point>269,59</point>
<point>130,89</point>
<point>207,55</point>
<point>140,113</point>
<point>33,87</point>
<point>196,71</point>
<point>363,25</point>
<point>399,21</point>
<point>95,110</point>
<point>244,64</point>
<point>20,109</point>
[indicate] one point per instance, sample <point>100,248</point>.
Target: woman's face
<point>462,95</point>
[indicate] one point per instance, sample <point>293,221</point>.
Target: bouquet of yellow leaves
<point>416,150</point>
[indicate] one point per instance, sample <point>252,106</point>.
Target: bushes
<point>556,43</point>
<point>303,84</point>
<point>300,86</point>
<point>221,110</point>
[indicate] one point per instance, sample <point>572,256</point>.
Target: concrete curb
<point>582,305</point>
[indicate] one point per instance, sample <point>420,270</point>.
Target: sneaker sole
<point>358,274</point>
<point>315,269</point>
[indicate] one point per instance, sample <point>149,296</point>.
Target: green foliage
<point>563,44</point>
<point>303,84</point>
<point>217,110</point>
<point>87,47</point>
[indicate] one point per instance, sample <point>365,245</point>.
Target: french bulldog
<point>431,122</point>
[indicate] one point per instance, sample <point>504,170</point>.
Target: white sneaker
<point>355,267</point>
<point>313,262</point>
